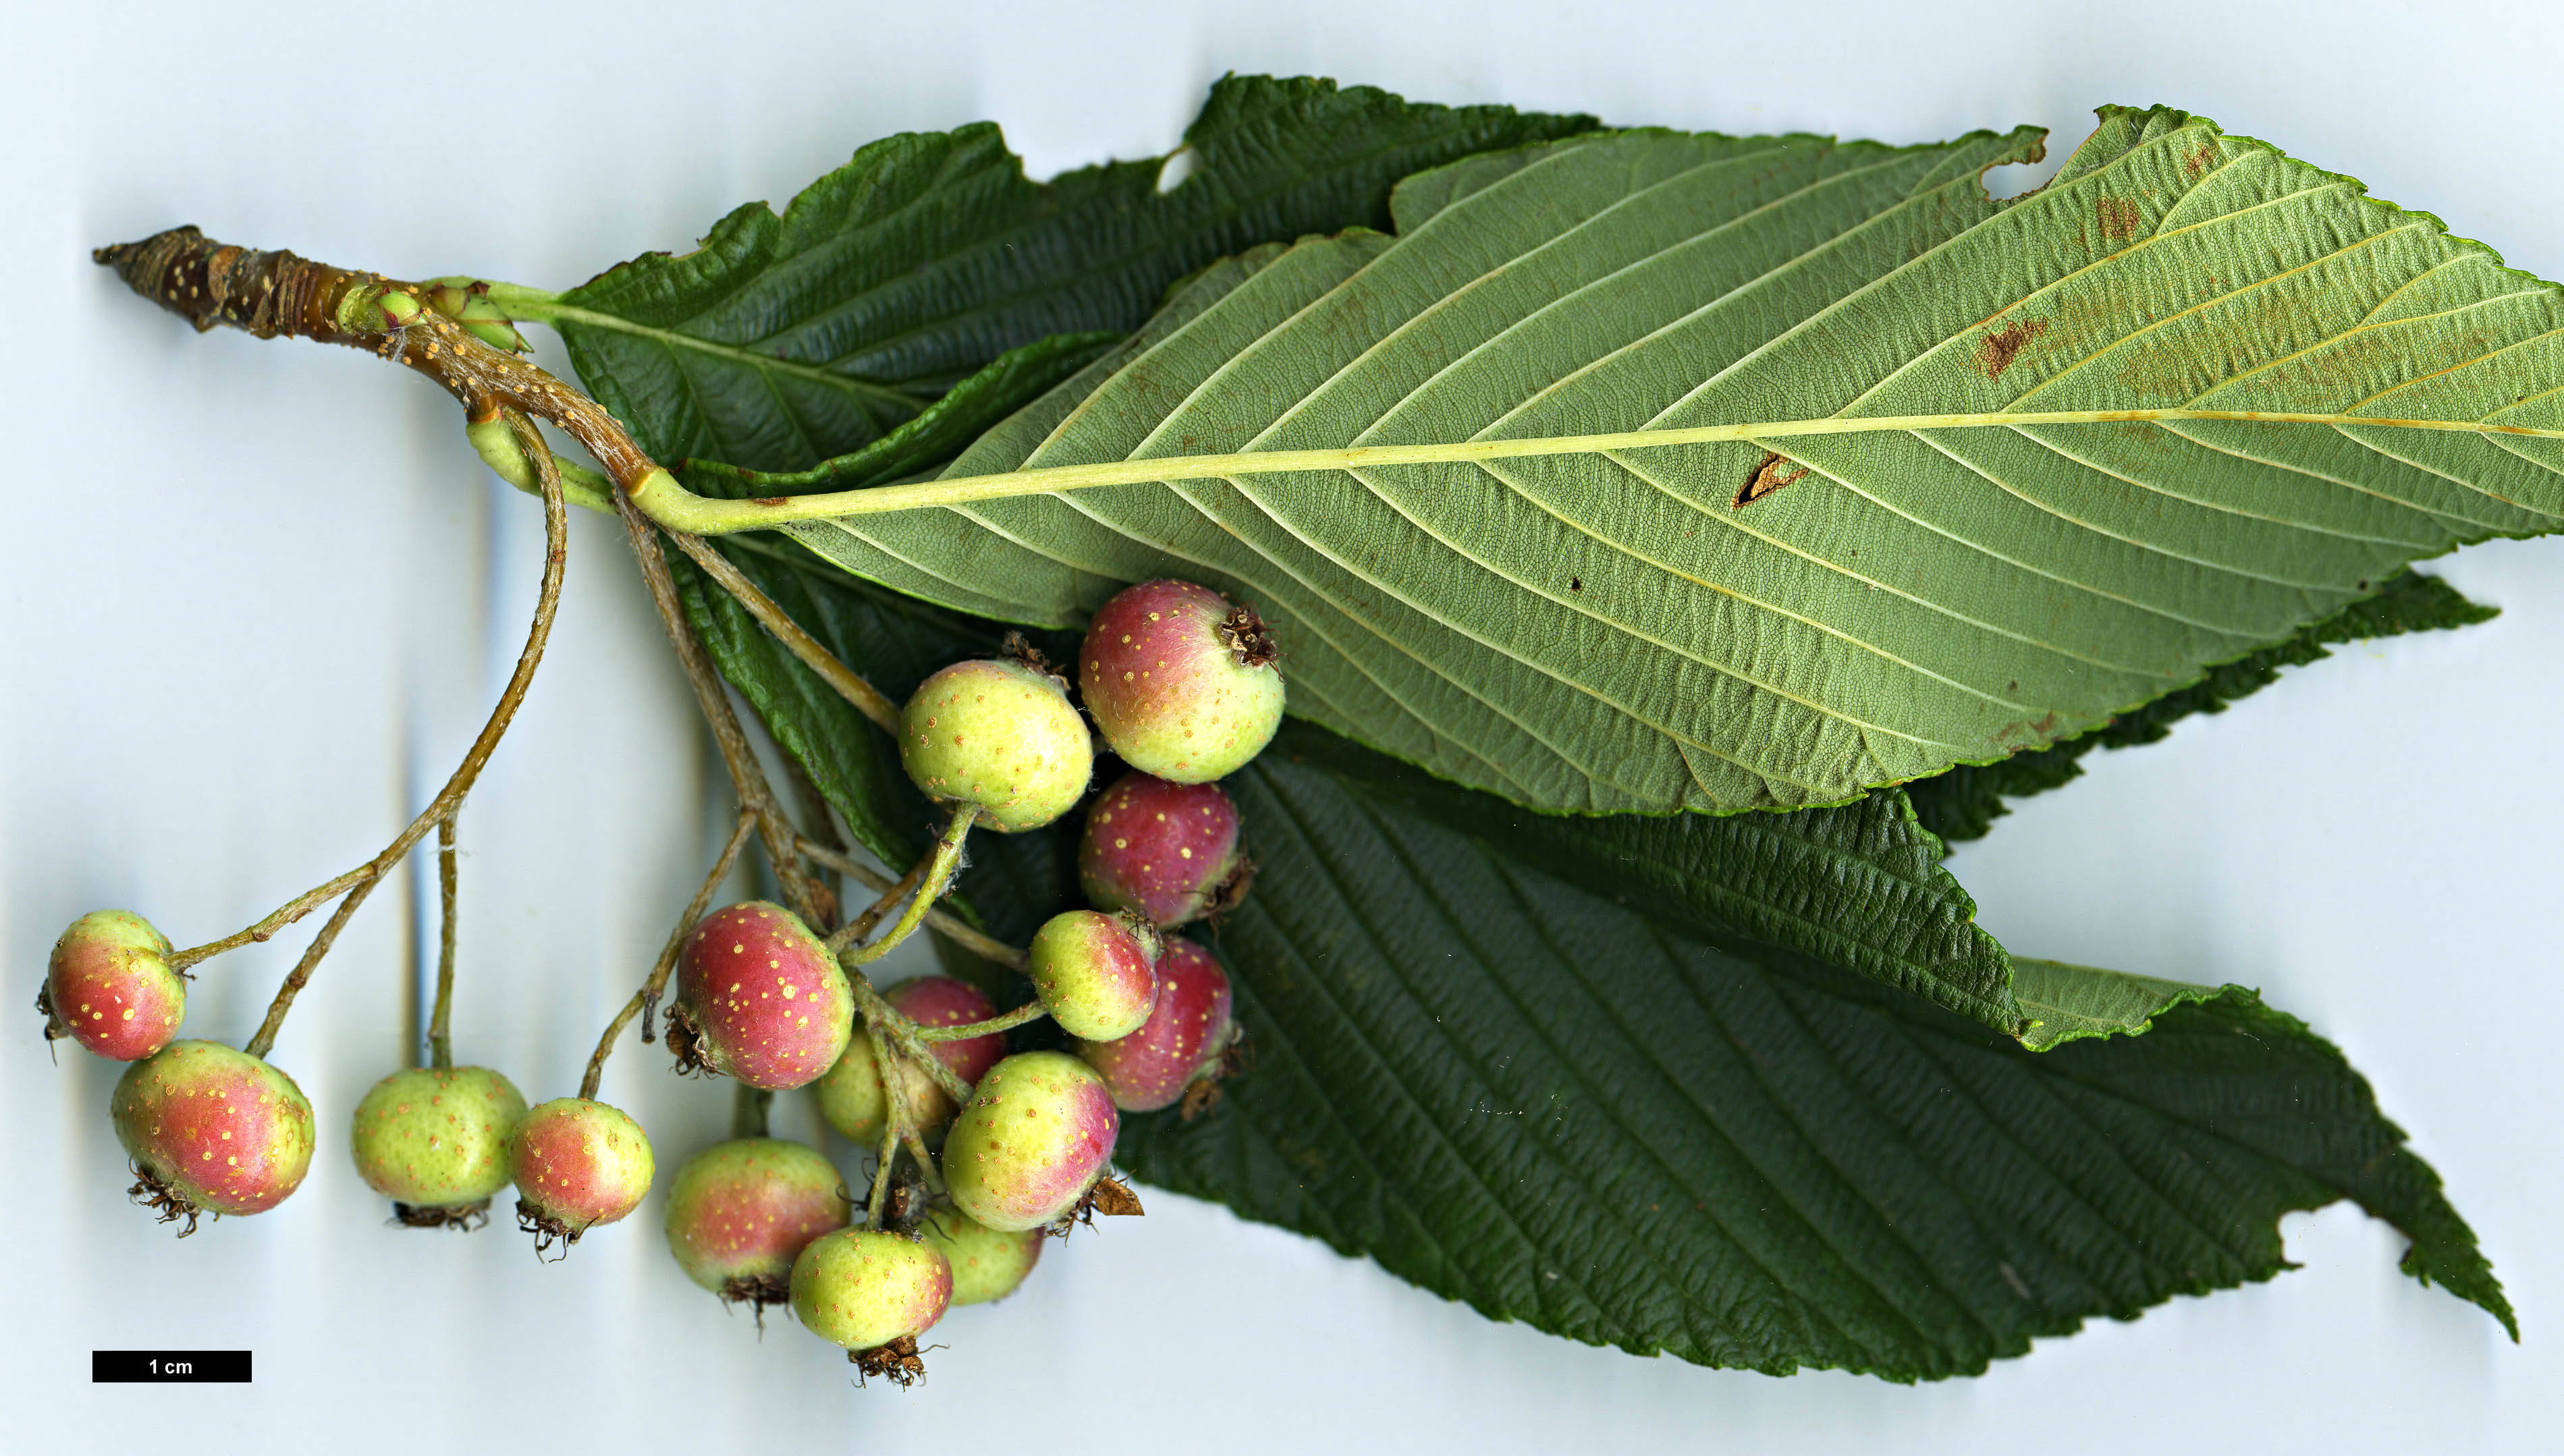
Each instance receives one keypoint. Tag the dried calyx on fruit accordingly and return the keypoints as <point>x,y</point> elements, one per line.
<point>110,987</point>
<point>850,1095</point>
<point>576,1163</point>
<point>434,1140</point>
<point>998,734</point>
<point>1183,1042</point>
<point>740,1212</point>
<point>761,998</point>
<point>1034,1138</point>
<point>1181,681</point>
<point>211,1129</point>
<point>873,1293</point>
<point>1167,851</point>
<point>1095,974</point>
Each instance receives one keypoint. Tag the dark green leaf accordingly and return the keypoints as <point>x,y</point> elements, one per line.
<point>786,341</point>
<point>1963,802</point>
<point>1859,886</point>
<point>960,415</point>
<point>1520,1094</point>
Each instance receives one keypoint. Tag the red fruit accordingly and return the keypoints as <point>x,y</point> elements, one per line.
<point>111,986</point>
<point>1034,1138</point>
<point>1184,1036</point>
<point>578,1163</point>
<point>212,1130</point>
<point>739,1213</point>
<point>1095,974</point>
<point>761,998</point>
<point>1181,681</point>
<point>942,1000</point>
<point>1167,851</point>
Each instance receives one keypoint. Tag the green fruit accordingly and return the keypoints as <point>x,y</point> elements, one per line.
<point>986,1265</point>
<point>864,1288</point>
<point>999,735</point>
<point>436,1139</point>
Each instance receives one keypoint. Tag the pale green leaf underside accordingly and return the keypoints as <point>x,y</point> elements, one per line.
<point>1959,561</point>
<point>2070,1002</point>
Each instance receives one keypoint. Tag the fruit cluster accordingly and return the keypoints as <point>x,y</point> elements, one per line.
<point>1002,1148</point>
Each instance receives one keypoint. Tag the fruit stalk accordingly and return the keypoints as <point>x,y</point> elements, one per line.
<point>450,798</point>
<point>440,1022</point>
<point>949,926</point>
<point>884,1020</point>
<point>895,1128</point>
<point>854,932</point>
<point>748,1109</point>
<point>1029,1012</point>
<point>745,776</point>
<point>850,685</point>
<point>648,996</point>
<point>940,864</point>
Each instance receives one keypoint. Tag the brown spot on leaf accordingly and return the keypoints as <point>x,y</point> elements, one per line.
<point>1770,474</point>
<point>2119,218</point>
<point>1998,350</point>
<point>2199,162</point>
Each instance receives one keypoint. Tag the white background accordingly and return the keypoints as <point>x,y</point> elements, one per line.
<point>258,596</point>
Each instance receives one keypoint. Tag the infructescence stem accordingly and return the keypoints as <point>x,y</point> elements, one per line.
<point>274,294</point>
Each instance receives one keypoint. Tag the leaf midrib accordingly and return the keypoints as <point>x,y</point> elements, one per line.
<point>715,517</point>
